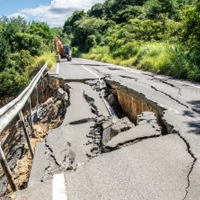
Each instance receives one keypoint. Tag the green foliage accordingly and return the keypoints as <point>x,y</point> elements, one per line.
<point>127,13</point>
<point>43,30</point>
<point>70,22</point>
<point>154,57</point>
<point>5,52</point>
<point>33,43</point>
<point>12,82</point>
<point>186,63</point>
<point>20,60</point>
<point>33,68</point>
<point>20,44</point>
<point>97,10</point>
<point>127,50</point>
<point>83,31</point>
<point>192,23</point>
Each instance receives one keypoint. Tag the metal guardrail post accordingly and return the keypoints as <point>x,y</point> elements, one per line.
<point>6,170</point>
<point>30,113</point>
<point>26,132</point>
<point>37,101</point>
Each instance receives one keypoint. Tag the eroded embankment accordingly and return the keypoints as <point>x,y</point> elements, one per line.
<point>50,114</point>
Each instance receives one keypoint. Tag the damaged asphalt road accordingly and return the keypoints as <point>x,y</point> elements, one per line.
<point>153,156</point>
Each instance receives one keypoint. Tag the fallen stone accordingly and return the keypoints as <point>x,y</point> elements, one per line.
<point>111,99</point>
<point>138,132</point>
<point>146,117</point>
<point>106,124</point>
<point>121,125</point>
<point>106,135</point>
<point>63,95</point>
<point>92,82</point>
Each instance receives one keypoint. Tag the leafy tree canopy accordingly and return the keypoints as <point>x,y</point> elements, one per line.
<point>69,23</point>
<point>41,29</point>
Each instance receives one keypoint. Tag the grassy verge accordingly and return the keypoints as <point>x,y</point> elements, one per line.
<point>158,57</point>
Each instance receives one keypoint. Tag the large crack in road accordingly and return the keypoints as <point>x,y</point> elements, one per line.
<point>133,153</point>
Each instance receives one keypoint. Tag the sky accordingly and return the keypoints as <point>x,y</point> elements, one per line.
<point>54,12</point>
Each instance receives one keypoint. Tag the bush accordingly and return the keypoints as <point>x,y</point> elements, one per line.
<point>128,50</point>
<point>12,83</point>
<point>39,62</point>
<point>186,63</point>
<point>21,60</point>
<point>32,43</point>
<point>155,57</point>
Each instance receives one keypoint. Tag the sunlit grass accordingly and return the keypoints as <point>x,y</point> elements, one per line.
<point>40,61</point>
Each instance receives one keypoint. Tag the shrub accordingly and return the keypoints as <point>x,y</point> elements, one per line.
<point>21,59</point>
<point>11,83</point>
<point>155,57</point>
<point>39,62</point>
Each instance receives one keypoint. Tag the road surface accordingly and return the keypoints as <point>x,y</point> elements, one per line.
<point>151,167</point>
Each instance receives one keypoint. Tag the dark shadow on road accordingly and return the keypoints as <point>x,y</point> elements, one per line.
<point>195,128</point>
<point>82,121</point>
<point>188,113</point>
<point>195,105</point>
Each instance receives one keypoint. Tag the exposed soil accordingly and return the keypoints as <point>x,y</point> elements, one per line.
<point>49,116</point>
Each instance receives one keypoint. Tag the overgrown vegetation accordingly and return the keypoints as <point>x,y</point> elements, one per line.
<point>24,49</point>
<point>162,36</point>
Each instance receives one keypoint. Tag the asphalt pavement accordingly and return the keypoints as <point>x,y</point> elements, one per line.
<point>143,164</point>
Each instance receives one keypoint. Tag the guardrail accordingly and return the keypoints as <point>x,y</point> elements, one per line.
<point>11,110</point>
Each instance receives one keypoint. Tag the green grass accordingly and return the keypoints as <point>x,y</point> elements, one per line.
<point>39,62</point>
<point>158,57</point>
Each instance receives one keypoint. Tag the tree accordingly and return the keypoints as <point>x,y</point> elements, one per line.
<point>33,43</point>
<point>86,27</point>
<point>9,31</point>
<point>5,52</point>
<point>192,24</point>
<point>43,30</point>
<point>63,36</point>
<point>163,9</point>
<point>97,10</point>
<point>69,23</point>
<point>127,13</point>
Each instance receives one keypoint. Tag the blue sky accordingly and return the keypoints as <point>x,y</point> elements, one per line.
<point>53,12</point>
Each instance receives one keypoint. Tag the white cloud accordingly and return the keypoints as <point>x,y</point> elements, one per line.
<point>16,15</point>
<point>58,11</point>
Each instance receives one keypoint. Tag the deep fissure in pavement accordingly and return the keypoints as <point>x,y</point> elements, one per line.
<point>125,99</point>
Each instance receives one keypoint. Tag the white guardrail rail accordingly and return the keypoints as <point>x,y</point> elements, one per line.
<point>10,111</point>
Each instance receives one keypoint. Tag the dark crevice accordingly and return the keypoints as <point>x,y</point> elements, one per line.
<point>51,155</point>
<point>196,110</point>
<point>129,77</point>
<point>166,127</point>
<point>165,82</point>
<point>192,165</point>
<point>82,121</point>
<point>128,143</point>
<point>90,101</point>
<point>111,68</point>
